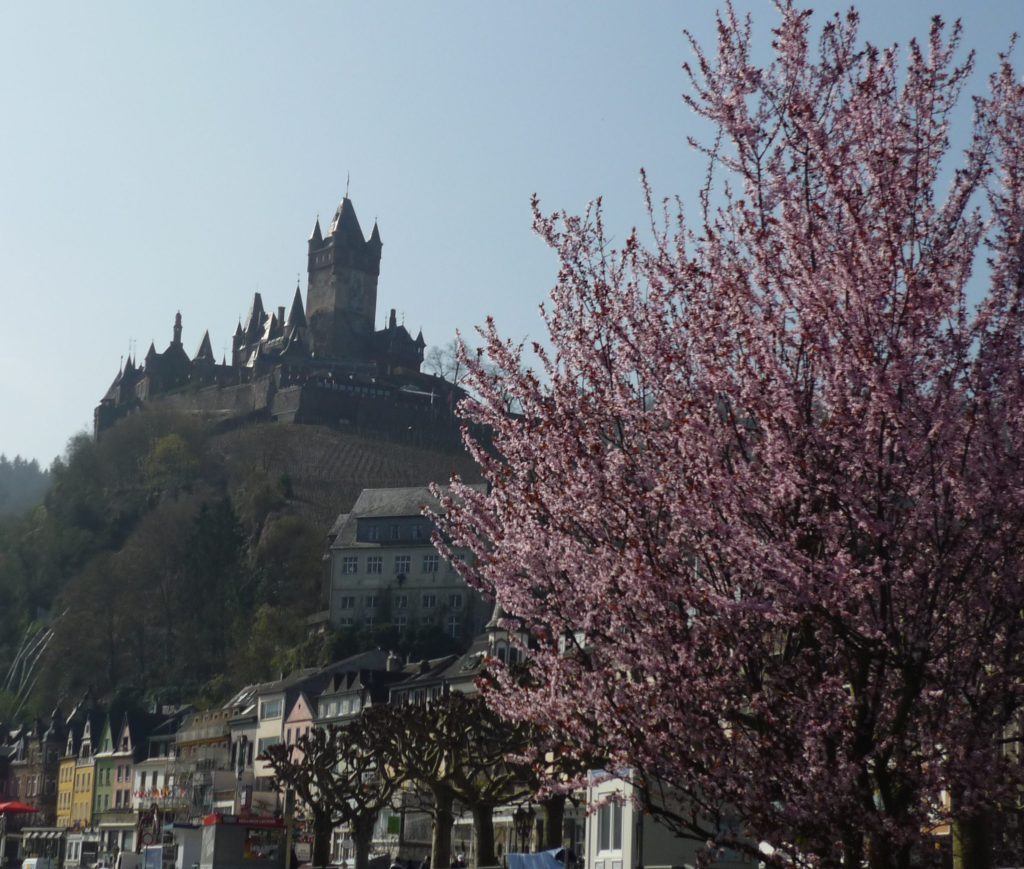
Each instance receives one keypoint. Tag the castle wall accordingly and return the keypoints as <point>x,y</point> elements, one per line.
<point>224,401</point>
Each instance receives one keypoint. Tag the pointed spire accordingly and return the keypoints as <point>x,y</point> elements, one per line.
<point>272,329</point>
<point>238,330</point>
<point>254,325</point>
<point>297,315</point>
<point>205,351</point>
<point>316,237</point>
<point>346,224</point>
<point>419,340</point>
<point>375,237</point>
<point>177,328</point>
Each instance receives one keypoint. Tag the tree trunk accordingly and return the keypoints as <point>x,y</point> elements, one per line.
<point>321,838</point>
<point>972,842</point>
<point>853,849</point>
<point>483,833</point>
<point>884,854</point>
<point>444,817</point>
<point>554,822</point>
<point>362,838</point>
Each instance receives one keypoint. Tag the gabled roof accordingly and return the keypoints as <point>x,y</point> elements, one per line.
<point>423,673</point>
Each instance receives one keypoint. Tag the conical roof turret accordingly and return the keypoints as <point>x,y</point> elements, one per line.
<point>254,325</point>
<point>316,237</point>
<point>345,225</point>
<point>496,616</point>
<point>205,351</point>
<point>297,314</point>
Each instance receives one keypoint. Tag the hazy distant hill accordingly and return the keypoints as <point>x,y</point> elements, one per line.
<point>22,484</point>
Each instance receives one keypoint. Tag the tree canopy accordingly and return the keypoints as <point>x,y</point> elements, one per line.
<point>763,509</point>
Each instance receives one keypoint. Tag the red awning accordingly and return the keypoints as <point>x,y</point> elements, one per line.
<point>16,808</point>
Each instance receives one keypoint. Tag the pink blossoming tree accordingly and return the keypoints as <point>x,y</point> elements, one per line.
<point>763,509</point>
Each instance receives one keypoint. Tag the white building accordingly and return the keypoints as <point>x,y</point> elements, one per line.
<point>384,569</point>
<point>620,835</point>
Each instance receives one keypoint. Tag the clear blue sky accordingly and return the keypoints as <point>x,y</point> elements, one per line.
<point>168,157</point>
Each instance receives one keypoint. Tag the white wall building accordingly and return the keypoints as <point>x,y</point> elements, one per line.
<point>619,835</point>
<point>384,569</point>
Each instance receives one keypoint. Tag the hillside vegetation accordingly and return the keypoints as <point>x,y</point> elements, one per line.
<point>172,562</point>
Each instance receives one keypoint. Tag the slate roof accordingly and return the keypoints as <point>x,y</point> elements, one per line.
<point>383,503</point>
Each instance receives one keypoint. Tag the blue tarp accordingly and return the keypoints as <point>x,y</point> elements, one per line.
<point>541,860</point>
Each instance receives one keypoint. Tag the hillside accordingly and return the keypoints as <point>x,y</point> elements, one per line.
<point>327,469</point>
<point>173,561</point>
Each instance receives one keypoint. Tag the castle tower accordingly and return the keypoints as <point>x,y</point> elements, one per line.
<point>341,298</point>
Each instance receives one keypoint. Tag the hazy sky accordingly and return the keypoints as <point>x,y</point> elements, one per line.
<point>157,158</point>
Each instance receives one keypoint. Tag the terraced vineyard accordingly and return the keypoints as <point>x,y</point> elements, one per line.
<point>327,469</point>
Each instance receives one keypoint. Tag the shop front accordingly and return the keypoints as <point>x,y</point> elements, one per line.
<point>241,842</point>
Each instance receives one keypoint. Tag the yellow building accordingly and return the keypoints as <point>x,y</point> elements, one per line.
<point>82,784</point>
<point>65,787</point>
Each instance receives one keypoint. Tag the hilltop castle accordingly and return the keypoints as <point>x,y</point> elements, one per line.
<point>322,362</point>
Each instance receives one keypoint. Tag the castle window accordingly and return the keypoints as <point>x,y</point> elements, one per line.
<point>455,601</point>
<point>374,564</point>
<point>430,563</point>
<point>401,601</point>
<point>349,564</point>
<point>394,532</point>
<point>371,601</point>
<point>428,601</point>
<point>402,563</point>
<point>401,622</point>
<point>347,602</point>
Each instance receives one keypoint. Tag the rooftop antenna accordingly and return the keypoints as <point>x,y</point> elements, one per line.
<point>348,179</point>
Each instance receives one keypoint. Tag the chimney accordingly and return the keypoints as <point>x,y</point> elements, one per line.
<point>280,314</point>
<point>393,663</point>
